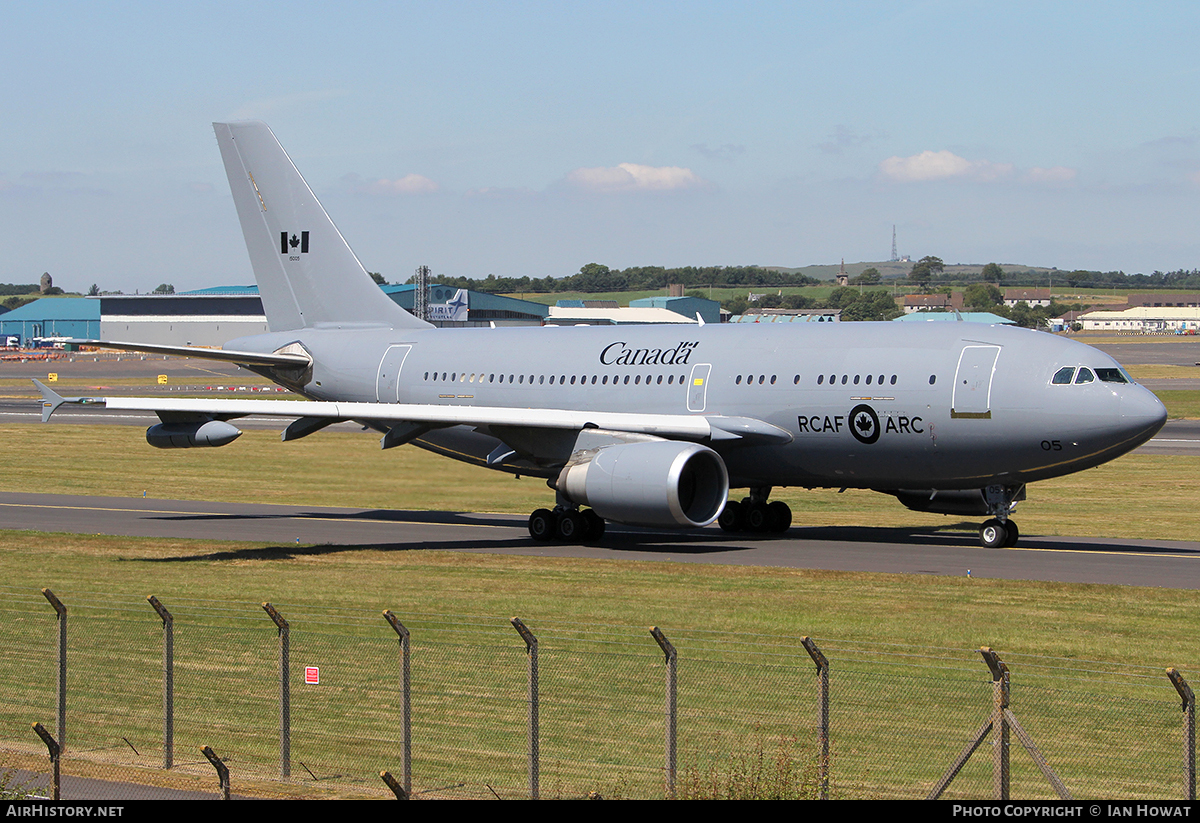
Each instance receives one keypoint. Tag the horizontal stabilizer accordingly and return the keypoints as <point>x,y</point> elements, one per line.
<point>241,357</point>
<point>51,400</point>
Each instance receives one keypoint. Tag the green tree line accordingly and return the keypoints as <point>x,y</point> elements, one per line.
<point>596,278</point>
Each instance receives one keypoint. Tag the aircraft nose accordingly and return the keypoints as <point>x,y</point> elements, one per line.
<point>1142,414</point>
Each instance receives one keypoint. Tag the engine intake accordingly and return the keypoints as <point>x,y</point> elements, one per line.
<point>664,484</point>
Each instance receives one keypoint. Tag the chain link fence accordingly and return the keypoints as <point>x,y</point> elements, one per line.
<point>144,693</point>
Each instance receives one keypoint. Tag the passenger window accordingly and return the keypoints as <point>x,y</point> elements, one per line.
<point>1084,376</point>
<point>1063,376</point>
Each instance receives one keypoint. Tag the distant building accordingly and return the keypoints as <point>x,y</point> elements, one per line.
<point>788,316</point>
<point>953,317</point>
<point>573,313</point>
<point>1163,299</point>
<point>53,317</point>
<point>1031,297</point>
<point>483,308</point>
<point>932,302</point>
<point>205,317</point>
<point>687,307</point>
<point>1143,320</point>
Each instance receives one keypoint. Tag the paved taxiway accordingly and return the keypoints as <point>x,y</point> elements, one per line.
<point>309,530</point>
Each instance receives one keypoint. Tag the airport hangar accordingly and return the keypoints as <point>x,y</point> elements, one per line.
<point>213,316</point>
<point>210,317</point>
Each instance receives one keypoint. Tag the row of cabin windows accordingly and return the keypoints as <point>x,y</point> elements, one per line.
<point>541,379</point>
<point>855,379</point>
<point>463,377</point>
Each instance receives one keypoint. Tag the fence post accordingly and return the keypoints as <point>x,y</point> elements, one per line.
<point>61,611</point>
<point>531,649</point>
<point>168,681</point>
<point>222,770</point>
<point>822,712</point>
<point>1189,731</point>
<point>1000,732</point>
<point>55,752</point>
<point>405,696</point>
<point>285,699</point>
<point>671,658</point>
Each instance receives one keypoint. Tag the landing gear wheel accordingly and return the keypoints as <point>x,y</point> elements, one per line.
<point>759,517</point>
<point>594,524</point>
<point>780,515</point>
<point>732,517</point>
<point>542,526</point>
<point>571,527</point>
<point>1013,534</point>
<point>993,534</point>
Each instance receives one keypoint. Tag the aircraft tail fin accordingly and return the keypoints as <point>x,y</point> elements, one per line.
<point>307,274</point>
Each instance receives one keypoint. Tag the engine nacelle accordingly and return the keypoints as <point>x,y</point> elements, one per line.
<point>664,484</point>
<point>192,435</point>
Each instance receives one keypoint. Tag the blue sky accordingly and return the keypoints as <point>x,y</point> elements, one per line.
<point>532,138</point>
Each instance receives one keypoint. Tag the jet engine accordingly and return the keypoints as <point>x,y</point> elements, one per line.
<point>192,434</point>
<point>661,483</point>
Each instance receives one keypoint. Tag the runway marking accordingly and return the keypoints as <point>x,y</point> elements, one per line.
<point>1092,553</point>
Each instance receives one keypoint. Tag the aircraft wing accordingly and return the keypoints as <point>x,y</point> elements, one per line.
<point>240,357</point>
<point>681,426</point>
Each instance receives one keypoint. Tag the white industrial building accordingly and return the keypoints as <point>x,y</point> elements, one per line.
<point>1143,320</point>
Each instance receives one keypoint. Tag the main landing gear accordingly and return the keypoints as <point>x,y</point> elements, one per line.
<point>755,514</point>
<point>999,532</point>
<point>566,524</point>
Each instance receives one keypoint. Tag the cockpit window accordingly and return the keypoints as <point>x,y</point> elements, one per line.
<point>1113,375</point>
<point>1063,376</point>
<point>1084,376</point>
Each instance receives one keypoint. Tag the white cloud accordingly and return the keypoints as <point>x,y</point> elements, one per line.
<point>409,184</point>
<point>941,165</point>
<point>634,177</point>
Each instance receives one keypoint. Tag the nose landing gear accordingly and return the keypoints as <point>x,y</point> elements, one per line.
<point>999,532</point>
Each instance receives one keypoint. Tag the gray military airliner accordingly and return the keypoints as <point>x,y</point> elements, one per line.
<point>652,425</point>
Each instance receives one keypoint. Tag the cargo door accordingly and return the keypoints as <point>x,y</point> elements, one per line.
<point>698,387</point>
<point>973,382</point>
<point>387,382</point>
